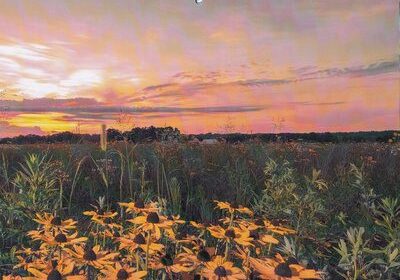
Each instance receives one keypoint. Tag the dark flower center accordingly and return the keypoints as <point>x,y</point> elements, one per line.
<point>275,222</point>
<point>230,233</point>
<point>89,255</point>
<point>170,218</point>
<point>101,211</point>
<point>56,221</point>
<point>54,275</point>
<point>254,234</point>
<point>292,260</point>
<point>235,205</point>
<point>254,275</point>
<point>54,263</point>
<point>108,220</point>
<point>139,239</point>
<point>61,238</point>
<point>311,265</point>
<point>283,270</point>
<point>220,271</point>
<point>259,222</point>
<point>35,246</point>
<point>139,203</point>
<point>180,235</point>
<point>203,256</point>
<point>122,274</point>
<point>167,260</point>
<point>153,218</point>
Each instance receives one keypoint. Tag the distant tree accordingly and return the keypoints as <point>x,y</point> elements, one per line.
<point>114,135</point>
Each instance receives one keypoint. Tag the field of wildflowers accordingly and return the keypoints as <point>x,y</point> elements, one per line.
<point>186,211</point>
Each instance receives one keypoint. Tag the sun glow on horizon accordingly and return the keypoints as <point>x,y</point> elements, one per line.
<point>49,123</point>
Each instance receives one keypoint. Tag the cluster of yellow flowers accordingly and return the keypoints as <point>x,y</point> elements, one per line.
<point>151,245</point>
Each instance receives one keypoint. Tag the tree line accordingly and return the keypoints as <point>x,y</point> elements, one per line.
<point>171,134</point>
<point>136,135</point>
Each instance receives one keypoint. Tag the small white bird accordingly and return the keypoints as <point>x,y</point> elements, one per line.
<point>198,1</point>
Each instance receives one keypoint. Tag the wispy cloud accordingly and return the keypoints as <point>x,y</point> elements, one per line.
<point>159,87</point>
<point>377,68</point>
<point>263,82</point>
<point>310,103</point>
<point>189,83</point>
<point>88,105</point>
<point>32,52</point>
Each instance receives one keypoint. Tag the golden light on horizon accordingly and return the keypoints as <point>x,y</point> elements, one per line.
<point>50,122</point>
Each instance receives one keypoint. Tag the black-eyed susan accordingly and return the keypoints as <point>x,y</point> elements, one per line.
<point>190,239</point>
<point>279,269</point>
<point>152,222</point>
<point>62,240</point>
<point>277,228</point>
<point>139,206</point>
<point>190,260</point>
<point>13,276</point>
<point>36,249</point>
<point>55,270</point>
<point>121,272</point>
<point>92,256</point>
<point>36,234</point>
<point>27,261</point>
<point>174,221</point>
<point>51,222</point>
<point>133,241</point>
<point>231,208</point>
<point>200,226</point>
<point>219,269</point>
<point>28,257</point>
<point>167,263</point>
<point>232,234</point>
<point>262,239</point>
<point>257,233</point>
<point>100,216</point>
<point>274,227</point>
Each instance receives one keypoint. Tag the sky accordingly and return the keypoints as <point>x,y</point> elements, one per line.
<point>219,66</point>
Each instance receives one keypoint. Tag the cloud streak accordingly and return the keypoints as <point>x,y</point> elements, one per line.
<point>194,83</point>
<point>87,105</point>
<point>355,71</point>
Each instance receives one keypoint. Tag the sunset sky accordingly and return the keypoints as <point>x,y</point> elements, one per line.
<point>250,66</point>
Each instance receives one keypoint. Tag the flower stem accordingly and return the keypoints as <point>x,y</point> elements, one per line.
<point>147,250</point>
<point>226,251</point>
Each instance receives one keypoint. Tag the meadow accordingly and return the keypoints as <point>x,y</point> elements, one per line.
<point>250,210</point>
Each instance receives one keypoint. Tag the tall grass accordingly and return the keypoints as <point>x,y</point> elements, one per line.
<point>103,138</point>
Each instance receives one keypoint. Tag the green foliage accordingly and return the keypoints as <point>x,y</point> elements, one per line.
<point>175,196</point>
<point>287,196</point>
<point>352,251</point>
<point>36,185</point>
<point>35,189</point>
<point>279,190</point>
<point>359,261</point>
